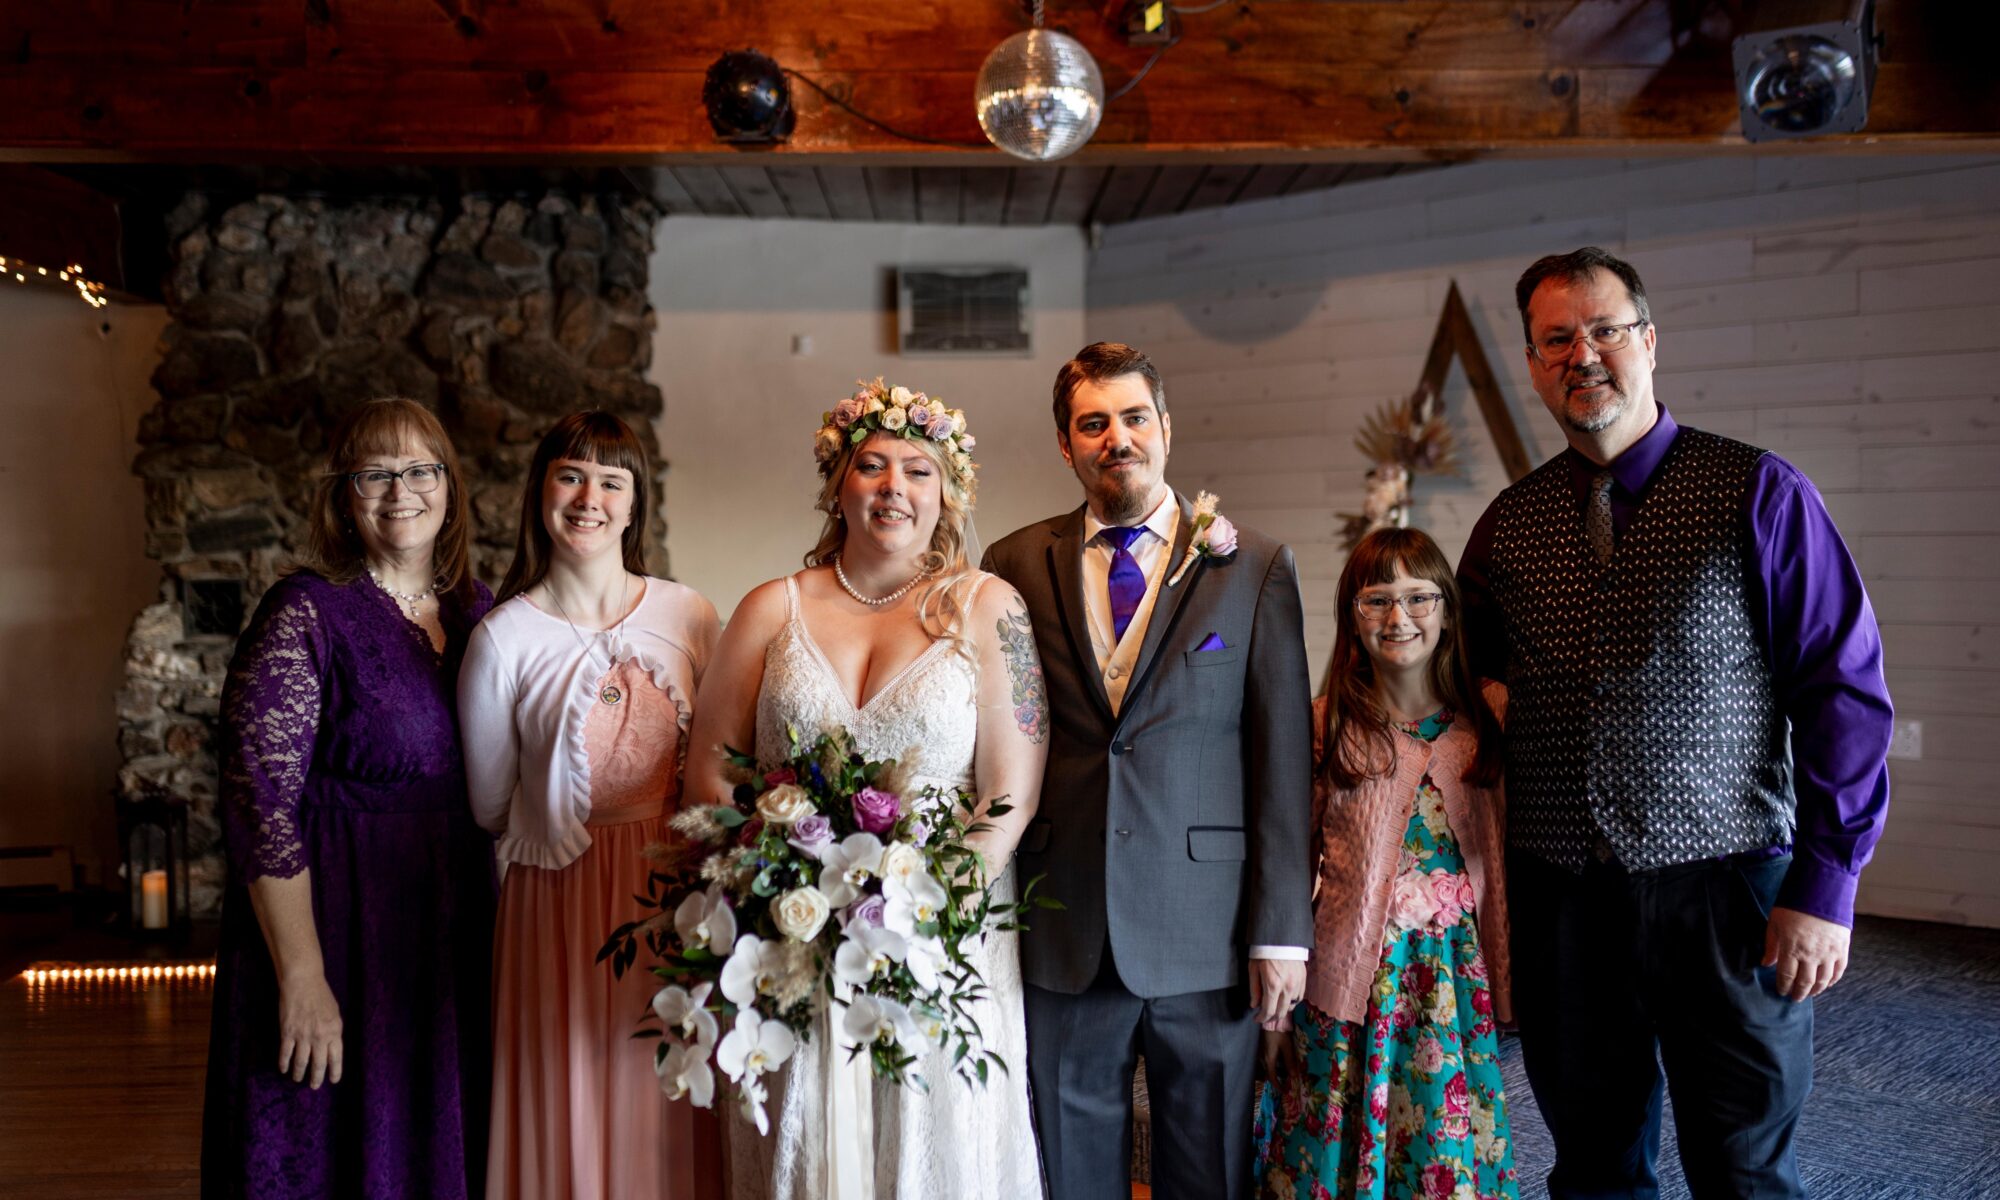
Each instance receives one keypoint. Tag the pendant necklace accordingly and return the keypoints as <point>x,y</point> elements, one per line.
<point>610,693</point>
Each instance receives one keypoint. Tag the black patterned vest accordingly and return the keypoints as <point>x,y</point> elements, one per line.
<point>1640,716</point>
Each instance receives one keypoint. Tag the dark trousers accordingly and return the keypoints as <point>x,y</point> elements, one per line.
<point>1617,972</point>
<point>1201,1051</point>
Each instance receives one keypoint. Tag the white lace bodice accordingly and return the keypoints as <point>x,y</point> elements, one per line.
<point>929,709</point>
<point>954,1142</point>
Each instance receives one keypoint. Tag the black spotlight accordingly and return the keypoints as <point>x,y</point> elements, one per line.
<point>747,98</point>
<point>1805,68</point>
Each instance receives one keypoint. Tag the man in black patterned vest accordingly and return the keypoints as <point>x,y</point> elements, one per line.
<point>1697,734</point>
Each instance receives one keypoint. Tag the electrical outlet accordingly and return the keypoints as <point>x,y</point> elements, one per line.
<point>1906,739</point>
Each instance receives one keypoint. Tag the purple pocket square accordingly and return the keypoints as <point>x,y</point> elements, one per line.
<point>1213,642</point>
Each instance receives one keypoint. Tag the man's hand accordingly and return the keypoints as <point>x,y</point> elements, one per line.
<point>1810,952</point>
<point>1276,984</point>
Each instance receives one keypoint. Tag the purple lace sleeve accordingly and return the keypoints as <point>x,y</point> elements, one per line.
<point>271,711</point>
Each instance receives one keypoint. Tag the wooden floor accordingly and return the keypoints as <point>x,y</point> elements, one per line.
<point>100,1088</point>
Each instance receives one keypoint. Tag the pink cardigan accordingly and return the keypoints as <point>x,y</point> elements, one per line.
<point>1361,841</point>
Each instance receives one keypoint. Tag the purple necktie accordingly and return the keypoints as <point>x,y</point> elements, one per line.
<point>1127,581</point>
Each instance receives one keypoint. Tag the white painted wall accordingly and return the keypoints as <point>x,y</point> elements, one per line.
<point>73,565</point>
<point>1844,312</point>
<point>742,407</point>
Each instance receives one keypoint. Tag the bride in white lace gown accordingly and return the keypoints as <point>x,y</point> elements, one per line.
<point>890,635</point>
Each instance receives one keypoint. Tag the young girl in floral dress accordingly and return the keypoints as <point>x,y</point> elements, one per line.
<point>1385,1080</point>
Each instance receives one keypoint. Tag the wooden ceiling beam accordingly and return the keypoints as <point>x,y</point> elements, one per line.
<point>583,81</point>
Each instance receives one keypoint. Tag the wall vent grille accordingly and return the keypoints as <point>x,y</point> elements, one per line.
<point>962,310</point>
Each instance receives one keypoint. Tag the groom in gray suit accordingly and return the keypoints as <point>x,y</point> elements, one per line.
<point>1175,809</point>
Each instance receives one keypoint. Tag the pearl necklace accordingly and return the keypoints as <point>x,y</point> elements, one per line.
<point>405,597</point>
<point>876,601</point>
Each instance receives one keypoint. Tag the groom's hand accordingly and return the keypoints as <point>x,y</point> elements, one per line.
<point>1276,984</point>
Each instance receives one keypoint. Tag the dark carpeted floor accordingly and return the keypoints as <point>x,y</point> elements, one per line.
<point>1906,1093</point>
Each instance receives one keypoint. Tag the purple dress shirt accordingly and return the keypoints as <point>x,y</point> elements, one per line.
<point>1819,639</point>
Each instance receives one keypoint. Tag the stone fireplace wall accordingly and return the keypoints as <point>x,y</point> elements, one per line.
<point>499,313</point>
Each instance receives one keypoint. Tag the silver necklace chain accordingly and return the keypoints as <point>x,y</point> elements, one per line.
<point>610,694</point>
<point>405,597</point>
<point>876,601</point>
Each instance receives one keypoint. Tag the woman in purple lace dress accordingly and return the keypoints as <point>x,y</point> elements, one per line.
<point>349,1053</point>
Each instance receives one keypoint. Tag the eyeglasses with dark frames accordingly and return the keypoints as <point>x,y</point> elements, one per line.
<point>374,484</point>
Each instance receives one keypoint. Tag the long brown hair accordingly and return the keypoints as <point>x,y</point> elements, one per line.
<point>592,436</point>
<point>1358,744</point>
<point>383,428</point>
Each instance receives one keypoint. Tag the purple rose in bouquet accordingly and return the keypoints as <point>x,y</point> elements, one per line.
<point>876,811</point>
<point>812,835</point>
<point>869,910</point>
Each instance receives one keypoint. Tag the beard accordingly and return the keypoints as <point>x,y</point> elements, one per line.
<point>1122,498</point>
<point>1603,414</point>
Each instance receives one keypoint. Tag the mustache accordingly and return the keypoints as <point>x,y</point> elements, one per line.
<point>1116,457</point>
<point>1587,378</point>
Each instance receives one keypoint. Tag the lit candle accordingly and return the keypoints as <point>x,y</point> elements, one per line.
<point>153,900</point>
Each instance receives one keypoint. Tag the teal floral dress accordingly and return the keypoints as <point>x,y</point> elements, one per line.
<point>1408,1103</point>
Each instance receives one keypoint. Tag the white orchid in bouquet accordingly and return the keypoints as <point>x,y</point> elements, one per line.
<point>822,883</point>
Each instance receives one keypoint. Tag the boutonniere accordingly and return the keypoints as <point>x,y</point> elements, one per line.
<point>1214,536</point>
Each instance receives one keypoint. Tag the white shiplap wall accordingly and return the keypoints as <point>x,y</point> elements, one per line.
<point>1843,311</point>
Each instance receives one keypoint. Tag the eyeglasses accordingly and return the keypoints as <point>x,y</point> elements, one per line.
<point>373,485</point>
<point>1375,609</point>
<point>1605,339</point>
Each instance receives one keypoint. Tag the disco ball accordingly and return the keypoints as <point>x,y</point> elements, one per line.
<point>1039,95</point>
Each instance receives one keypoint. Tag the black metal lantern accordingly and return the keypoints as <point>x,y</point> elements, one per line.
<point>153,832</point>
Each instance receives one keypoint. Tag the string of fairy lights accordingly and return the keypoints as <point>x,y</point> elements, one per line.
<point>27,272</point>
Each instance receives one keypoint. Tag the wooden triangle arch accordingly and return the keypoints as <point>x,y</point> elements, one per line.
<point>1456,337</point>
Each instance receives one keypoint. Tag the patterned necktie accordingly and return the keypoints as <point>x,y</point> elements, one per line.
<point>1127,582</point>
<point>1597,518</point>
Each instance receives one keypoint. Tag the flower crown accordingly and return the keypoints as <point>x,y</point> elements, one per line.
<point>876,408</point>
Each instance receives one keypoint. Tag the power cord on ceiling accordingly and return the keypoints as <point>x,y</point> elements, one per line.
<point>1133,82</point>
<point>1178,11</point>
<point>841,103</point>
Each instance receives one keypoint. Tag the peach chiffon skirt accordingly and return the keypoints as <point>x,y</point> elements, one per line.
<point>577,1111</point>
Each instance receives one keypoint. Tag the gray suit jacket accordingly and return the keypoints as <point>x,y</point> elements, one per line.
<point>1179,826</point>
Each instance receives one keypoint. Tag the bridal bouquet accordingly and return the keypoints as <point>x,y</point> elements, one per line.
<point>823,882</point>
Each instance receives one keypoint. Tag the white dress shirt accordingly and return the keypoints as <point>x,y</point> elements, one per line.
<point>1153,552</point>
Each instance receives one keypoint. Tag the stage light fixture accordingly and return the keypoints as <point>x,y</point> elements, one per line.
<point>748,98</point>
<point>1805,68</point>
<point>1039,95</point>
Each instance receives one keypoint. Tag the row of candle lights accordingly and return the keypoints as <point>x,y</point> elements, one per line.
<point>127,974</point>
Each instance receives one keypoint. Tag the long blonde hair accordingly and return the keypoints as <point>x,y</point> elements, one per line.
<point>941,604</point>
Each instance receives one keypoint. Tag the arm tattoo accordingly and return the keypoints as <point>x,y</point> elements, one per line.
<point>1024,668</point>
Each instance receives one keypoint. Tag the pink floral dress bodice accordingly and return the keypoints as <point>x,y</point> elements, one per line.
<point>634,747</point>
